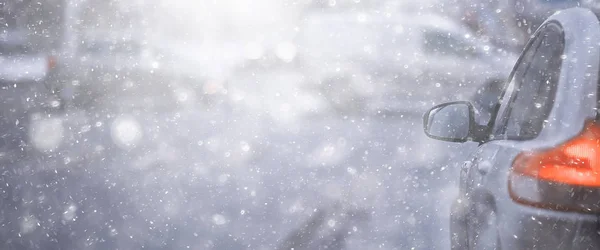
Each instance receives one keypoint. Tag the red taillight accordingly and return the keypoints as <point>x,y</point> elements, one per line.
<point>51,62</point>
<point>565,177</point>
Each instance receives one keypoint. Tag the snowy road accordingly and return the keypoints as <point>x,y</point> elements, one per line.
<point>255,155</point>
<point>238,181</point>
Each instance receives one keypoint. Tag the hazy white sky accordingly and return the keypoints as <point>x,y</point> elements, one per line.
<point>226,19</point>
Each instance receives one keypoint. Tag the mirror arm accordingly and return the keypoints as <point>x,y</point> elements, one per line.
<point>480,133</point>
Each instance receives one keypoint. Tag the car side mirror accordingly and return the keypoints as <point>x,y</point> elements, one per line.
<point>453,122</point>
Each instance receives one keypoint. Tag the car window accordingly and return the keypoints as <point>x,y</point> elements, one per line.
<point>533,86</point>
<point>485,99</point>
<point>445,44</point>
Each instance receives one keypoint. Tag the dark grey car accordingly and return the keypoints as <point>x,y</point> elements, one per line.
<point>534,180</point>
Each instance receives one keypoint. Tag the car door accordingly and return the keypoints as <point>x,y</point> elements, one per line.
<point>523,109</point>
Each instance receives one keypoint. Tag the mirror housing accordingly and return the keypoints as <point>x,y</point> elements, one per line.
<point>453,122</point>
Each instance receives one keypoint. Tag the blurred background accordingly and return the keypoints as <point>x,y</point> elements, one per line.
<point>239,124</point>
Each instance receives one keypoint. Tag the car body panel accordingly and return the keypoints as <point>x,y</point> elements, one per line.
<point>486,184</point>
<point>25,68</point>
<point>20,61</point>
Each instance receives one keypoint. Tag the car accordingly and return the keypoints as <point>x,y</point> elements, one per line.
<point>25,67</point>
<point>494,21</point>
<point>28,59</point>
<point>510,23</point>
<point>533,182</point>
<point>355,57</point>
<point>533,13</point>
<point>98,66</point>
<point>119,73</point>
